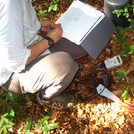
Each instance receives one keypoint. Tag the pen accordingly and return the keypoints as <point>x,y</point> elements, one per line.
<point>50,27</point>
<point>82,1</point>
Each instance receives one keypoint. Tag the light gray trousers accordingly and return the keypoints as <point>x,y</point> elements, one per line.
<point>50,74</point>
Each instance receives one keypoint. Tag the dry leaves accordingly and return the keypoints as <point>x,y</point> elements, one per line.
<point>93,114</point>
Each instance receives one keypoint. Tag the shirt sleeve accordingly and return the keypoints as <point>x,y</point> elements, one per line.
<point>13,52</point>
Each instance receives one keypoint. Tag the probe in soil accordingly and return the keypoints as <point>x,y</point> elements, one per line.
<point>106,93</point>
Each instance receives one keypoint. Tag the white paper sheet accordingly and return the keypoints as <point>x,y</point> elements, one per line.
<point>79,20</point>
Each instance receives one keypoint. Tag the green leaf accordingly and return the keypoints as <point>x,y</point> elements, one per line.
<point>45,122</point>
<point>57,120</point>
<point>55,7</point>
<point>121,11</point>
<point>45,118</point>
<point>1,130</point>
<point>129,20</point>
<point>27,132</point>
<point>119,72</point>
<point>40,12</point>
<point>125,49</point>
<point>119,36</point>
<point>131,49</point>
<point>45,130</point>
<point>115,12</point>
<point>27,97</point>
<point>50,112</point>
<point>126,9</point>
<point>11,113</point>
<point>127,15</point>
<point>28,119</point>
<point>29,103</point>
<point>119,14</point>
<point>6,120</point>
<point>39,126</point>
<point>118,78</point>
<point>127,86</point>
<point>53,125</point>
<point>125,74</point>
<point>34,6</point>
<point>120,29</point>
<point>30,122</point>
<point>1,122</point>
<point>50,8</point>
<point>5,115</point>
<point>132,23</point>
<point>27,127</point>
<point>121,41</point>
<point>5,130</point>
<point>11,96</point>
<point>125,94</point>
<point>10,124</point>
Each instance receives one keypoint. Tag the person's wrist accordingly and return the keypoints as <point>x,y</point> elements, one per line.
<point>50,41</point>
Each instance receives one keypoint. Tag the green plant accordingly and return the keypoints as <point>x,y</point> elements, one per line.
<point>128,12</point>
<point>125,92</point>
<point>53,5</point>
<point>127,48</point>
<point>120,75</point>
<point>45,125</point>
<point>42,14</point>
<point>28,100</point>
<point>131,49</point>
<point>122,38</point>
<point>6,121</point>
<point>7,101</point>
<point>15,105</point>
<point>10,101</point>
<point>29,123</point>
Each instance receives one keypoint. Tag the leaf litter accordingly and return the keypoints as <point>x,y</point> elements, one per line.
<point>93,114</point>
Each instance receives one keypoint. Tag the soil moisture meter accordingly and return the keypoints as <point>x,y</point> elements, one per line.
<point>112,62</point>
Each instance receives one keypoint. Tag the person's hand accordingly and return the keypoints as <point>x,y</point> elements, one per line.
<point>55,33</point>
<point>46,24</point>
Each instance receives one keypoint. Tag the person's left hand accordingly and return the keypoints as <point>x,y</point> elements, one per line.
<point>46,24</point>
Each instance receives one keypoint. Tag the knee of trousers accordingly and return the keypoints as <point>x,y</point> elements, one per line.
<point>63,62</point>
<point>53,70</point>
<point>59,66</point>
<point>65,65</point>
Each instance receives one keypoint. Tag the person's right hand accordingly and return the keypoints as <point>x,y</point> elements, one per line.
<point>55,33</point>
<point>39,47</point>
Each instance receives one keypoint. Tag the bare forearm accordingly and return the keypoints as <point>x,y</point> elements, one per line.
<point>37,49</point>
<point>41,46</point>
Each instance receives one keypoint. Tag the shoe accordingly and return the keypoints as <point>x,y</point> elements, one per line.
<point>61,102</point>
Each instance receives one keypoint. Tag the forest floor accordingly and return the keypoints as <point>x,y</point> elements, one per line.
<point>93,114</point>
